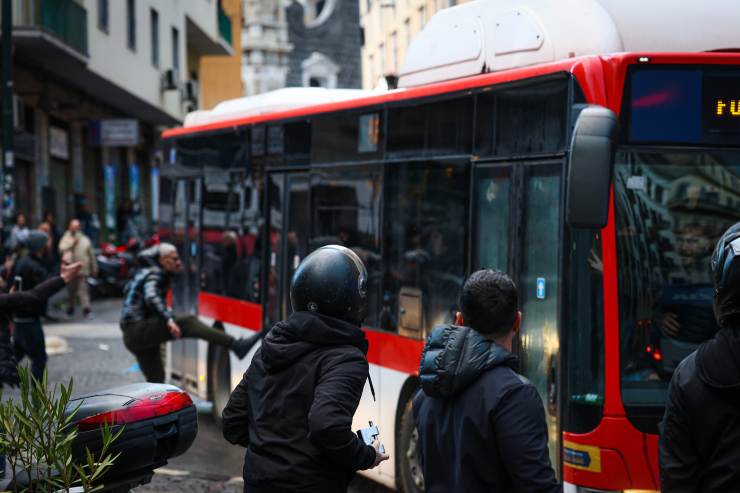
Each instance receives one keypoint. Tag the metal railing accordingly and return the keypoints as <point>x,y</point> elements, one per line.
<point>224,25</point>
<point>65,19</point>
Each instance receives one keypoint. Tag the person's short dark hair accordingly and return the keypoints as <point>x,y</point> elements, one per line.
<point>489,302</point>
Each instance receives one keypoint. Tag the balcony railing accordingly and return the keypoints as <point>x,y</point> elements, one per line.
<point>224,25</point>
<point>65,19</point>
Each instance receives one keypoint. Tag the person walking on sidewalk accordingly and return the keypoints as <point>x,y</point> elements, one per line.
<point>146,321</point>
<point>481,424</point>
<point>293,408</point>
<point>76,247</point>
<point>699,444</point>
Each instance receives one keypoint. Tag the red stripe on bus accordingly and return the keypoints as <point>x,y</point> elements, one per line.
<point>385,349</point>
<point>237,312</point>
<point>393,351</point>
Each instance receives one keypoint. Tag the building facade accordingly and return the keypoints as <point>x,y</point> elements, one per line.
<point>95,81</point>
<point>220,75</point>
<point>389,26</point>
<point>295,43</point>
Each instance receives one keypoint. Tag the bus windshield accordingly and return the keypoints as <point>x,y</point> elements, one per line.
<point>671,208</point>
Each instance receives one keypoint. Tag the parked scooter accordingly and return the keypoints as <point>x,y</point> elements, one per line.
<point>159,422</point>
<point>116,265</point>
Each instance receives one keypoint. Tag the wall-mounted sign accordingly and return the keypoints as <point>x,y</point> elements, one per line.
<point>58,143</point>
<point>119,132</point>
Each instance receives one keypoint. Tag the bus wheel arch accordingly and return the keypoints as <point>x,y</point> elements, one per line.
<point>219,377</point>
<point>408,471</point>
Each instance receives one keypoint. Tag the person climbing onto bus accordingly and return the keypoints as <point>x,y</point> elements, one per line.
<point>293,408</point>
<point>481,425</point>
<point>699,444</point>
<point>146,321</point>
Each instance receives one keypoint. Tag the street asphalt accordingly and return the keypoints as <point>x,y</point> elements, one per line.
<point>91,352</point>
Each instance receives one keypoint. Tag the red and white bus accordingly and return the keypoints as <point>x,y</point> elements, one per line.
<point>435,180</point>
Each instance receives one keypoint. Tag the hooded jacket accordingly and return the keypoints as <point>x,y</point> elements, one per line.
<point>294,406</point>
<point>481,425</point>
<point>699,447</point>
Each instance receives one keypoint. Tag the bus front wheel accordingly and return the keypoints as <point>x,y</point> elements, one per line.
<point>410,475</point>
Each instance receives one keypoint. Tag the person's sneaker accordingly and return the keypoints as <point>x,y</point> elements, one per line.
<point>70,311</point>
<point>242,345</point>
<point>87,313</point>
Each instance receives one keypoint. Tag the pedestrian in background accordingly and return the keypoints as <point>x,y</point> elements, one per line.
<point>18,233</point>
<point>75,246</point>
<point>699,443</point>
<point>481,424</point>
<point>294,406</point>
<point>146,321</point>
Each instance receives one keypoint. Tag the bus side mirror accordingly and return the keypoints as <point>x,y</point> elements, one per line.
<point>590,167</point>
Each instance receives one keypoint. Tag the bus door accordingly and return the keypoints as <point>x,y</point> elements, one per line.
<point>289,224</point>
<point>516,227</point>
<point>186,237</point>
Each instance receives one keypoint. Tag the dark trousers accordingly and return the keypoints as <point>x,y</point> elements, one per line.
<point>143,339</point>
<point>29,341</point>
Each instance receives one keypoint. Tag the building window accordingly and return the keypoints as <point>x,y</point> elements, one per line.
<point>381,54</point>
<point>371,69</point>
<point>103,15</point>
<point>394,48</point>
<point>175,49</point>
<point>131,24</point>
<point>407,31</point>
<point>154,17</point>
<point>422,17</point>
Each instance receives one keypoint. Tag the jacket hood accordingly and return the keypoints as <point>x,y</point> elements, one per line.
<point>303,332</point>
<point>718,360</point>
<point>454,357</point>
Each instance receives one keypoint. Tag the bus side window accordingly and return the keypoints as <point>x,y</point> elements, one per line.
<point>346,211</point>
<point>424,238</point>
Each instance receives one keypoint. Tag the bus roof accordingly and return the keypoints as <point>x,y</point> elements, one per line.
<point>487,36</point>
<point>588,64</point>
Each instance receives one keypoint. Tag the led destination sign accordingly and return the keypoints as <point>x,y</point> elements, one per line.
<point>722,104</point>
<point>697,105</point>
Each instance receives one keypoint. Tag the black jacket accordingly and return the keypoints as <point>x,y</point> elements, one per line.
<point>481,425</point>
<point>32,270</point>
<point>32,301</point>
<point>699,447</point>
<point>293,409</point>
<point>144,296</point>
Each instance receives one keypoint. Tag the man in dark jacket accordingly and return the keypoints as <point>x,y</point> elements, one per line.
<point>481,425</point>
<point>293,408</point>
<point>29,334</point>
<point>146,321</point>
<point>699,447</point>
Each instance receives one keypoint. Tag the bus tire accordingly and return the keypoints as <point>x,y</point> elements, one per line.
<point>410,478</point>
<point>219,381</point>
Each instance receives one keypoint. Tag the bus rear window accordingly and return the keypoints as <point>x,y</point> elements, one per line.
<point>684,106</point>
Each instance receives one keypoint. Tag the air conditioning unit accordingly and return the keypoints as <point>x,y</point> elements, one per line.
<point>190,91</point>
<point>169,80</point>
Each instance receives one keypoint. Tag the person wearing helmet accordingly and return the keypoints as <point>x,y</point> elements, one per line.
<point>293,408</point>
<point>699,447</point>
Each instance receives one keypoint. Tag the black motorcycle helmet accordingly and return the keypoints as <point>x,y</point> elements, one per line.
<point>726,276</point>
<point>332,281</point>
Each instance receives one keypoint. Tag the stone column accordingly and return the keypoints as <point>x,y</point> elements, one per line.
<point>42,163</point>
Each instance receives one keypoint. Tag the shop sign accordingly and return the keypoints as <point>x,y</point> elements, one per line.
<point>58,143</point>
<point>117,132</point>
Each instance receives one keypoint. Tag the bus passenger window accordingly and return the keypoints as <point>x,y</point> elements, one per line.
<point>424,239</point>
<point>346,211</point>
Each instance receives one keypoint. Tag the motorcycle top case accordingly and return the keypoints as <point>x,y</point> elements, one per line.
<point>159,422</point>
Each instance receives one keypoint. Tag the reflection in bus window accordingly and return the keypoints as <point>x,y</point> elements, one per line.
<point>494,233</point>
<point>231,247</point>
<point>346,211</point>
<point>671,208</point>
<point>424,223</point>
